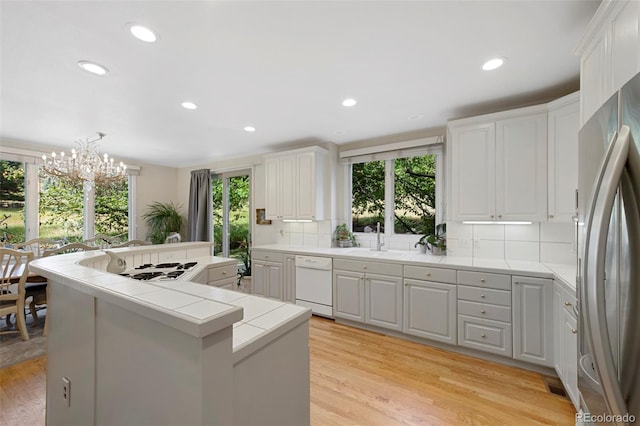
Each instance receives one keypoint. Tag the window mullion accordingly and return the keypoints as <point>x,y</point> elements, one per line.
<point>389,197</point>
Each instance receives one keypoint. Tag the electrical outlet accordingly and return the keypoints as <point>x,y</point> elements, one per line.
<point>66,390</point>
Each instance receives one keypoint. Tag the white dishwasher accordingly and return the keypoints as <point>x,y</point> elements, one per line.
<point>314,286</point>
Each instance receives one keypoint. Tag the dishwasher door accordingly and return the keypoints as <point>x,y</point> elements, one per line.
<point>314,285</point>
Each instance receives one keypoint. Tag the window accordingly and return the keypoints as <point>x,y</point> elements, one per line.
<point>401,191</point>
<point>34,205</point>
<point>12,202</point>
<point>231,211</point>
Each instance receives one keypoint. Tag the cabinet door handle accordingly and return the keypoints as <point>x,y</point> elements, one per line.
<point>483,335</point>
<point>567,304</point>
<point>364,267</point>
<point>224,272</point>
<point>499,216</point>
<point>482,296</point>
<point>481,280</point>
<point>550,216</point>
<point>428,274</point>
<point>574,331</point>
<point>482,311</point>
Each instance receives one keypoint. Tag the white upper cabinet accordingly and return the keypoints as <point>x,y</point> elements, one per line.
<point>562,142</point>
<point>472,189</point>
<point>521,168</point>
<point>294,184</point>
<point>609,53</point>
<point>498,166</point>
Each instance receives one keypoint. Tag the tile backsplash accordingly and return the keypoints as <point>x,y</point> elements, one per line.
<point>538,242</point>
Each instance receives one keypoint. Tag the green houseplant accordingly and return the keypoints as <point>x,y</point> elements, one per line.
<point>436,242</point>
<point>162,219</point>
<point>344,237</point>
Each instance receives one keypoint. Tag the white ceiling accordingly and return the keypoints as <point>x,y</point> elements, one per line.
<point>283,67</point>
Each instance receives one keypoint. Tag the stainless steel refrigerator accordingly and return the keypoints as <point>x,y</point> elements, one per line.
<point>609,261</point>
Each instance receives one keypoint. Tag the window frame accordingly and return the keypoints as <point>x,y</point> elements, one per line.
<point>31,163</point>
<point>389,187</point>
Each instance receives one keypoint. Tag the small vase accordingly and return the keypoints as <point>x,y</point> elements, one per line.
<point>437,251</point>
<point>423,248</point>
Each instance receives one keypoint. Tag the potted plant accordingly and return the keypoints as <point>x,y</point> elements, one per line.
<point>244,270</point>
<point>422,244</point>
<point>162,219</point>
<point>344,237</point>
<point>437,242</point>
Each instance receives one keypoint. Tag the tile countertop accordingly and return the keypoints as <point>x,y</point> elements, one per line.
<point>196,309</point>
<point>564,273</point>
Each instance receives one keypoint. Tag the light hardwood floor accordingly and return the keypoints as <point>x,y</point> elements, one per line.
<point>364,378</point>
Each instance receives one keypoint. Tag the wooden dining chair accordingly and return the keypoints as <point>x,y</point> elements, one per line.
<point>102,241</point>
<point>35,287</point>
<point>132,243</point>
<point>38,291</point>
<point>15,268</point>
<point>38,246</point>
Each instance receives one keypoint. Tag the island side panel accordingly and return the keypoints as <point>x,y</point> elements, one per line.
<point>70,354</point>
<point>272,385</point>
<point>149,373</point>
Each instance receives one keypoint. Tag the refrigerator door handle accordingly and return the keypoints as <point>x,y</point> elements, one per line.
<point>594,271</point>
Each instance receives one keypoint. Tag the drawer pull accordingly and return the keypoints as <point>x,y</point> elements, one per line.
<point>428,274</point>
<point>482,311</point>
<point>574,331</point>
<point>483,335</point>
<point>483,296</point>
<point>567,304</point>
<point>364,267</point>
<point>224,272</point>
<point>481,280</point>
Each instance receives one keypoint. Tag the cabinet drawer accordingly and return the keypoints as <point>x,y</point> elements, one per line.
<point>485,335</point>
<point>369,267</point>
<point>222,273</point>
<point>484,295</point>
<point>484,311</point>
<point>430,274</point>
<point>568,300</point>
<point>229,283</point>
<point>267,256</point>
<point>484,279</point>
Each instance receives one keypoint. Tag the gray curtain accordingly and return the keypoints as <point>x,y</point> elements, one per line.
<point>200,209</point>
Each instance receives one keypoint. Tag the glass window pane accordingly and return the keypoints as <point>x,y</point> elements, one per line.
<point>415,195</point>
<point>239,219</point>
<point>216,190</point>
<point>12,218</point>
<point>112,209</point>
<point>367,203</point>
<point>60,209</point>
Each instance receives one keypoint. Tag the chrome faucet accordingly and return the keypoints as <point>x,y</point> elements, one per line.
<point>378,243</point>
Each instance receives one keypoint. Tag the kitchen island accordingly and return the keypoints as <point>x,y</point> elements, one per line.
<point>168,352</point>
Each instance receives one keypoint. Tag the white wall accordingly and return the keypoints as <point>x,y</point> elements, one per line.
<point>155,183</point>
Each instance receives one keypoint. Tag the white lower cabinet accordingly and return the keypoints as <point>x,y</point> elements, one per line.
<point>348,295</point>
<point>223,275</point>
<point>484,312</point>
<point>533,320</point>
<point>383,301</point>
<point>290,278</point>
<point>267,274</point>
<point>368,292</point>
<point>566,340</point>
<point>430,310</point>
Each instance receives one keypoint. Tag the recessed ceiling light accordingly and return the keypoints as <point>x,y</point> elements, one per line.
<point>340,132</point>
<point>416,117</point>
<point>143,33</point>
<point>189,105</point>
<point>349,102</point>
<point>93,68</point>
<point>492,64</point>
<point>249,129</point>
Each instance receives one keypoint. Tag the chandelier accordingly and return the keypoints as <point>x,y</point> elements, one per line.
<point>84,164</point>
